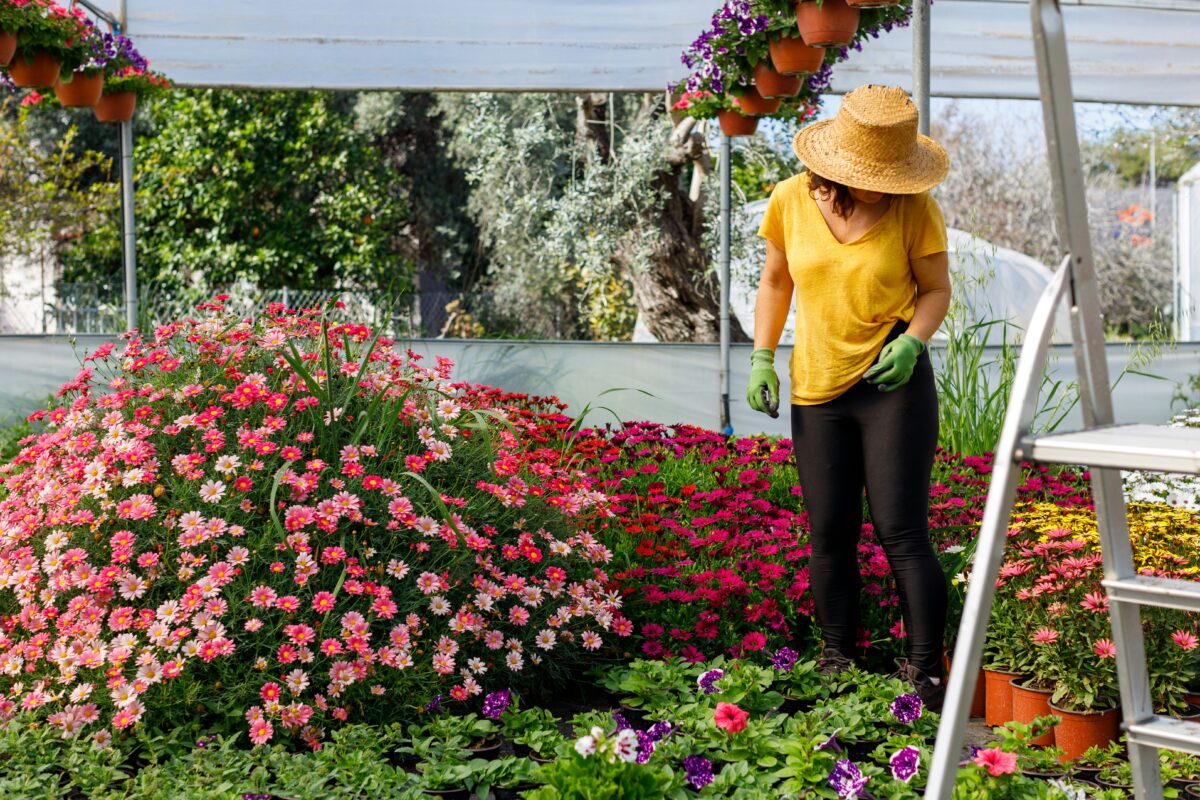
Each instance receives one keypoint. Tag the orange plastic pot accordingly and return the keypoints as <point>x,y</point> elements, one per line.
<point>998,701</point>
<point>1080,730</point>
<point>8,47</point>
<point>833,23</point>
<point>735,124</point>
<point>771,84</point>
<point>979,699</point>
<point>82,91</point>
<point>118,107</point>
<point>755,105</point>
<point>39,71</point>
<point>1028,704</point>
<point>794,57</point>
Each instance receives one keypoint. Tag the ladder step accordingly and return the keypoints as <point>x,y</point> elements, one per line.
<point>1157,448</point>
<point>1167,733</point>
<point>1151,591</point>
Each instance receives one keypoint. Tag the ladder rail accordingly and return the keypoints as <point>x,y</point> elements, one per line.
<point>989,549</point>
<point>1066,169</point>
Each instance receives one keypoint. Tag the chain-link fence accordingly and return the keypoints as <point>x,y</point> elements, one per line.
<point>100,308</point>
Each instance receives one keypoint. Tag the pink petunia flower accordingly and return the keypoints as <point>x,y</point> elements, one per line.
<point>996,761</point>
<point>730,718</point>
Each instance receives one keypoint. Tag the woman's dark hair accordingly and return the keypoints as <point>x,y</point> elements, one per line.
<point>842,200</point>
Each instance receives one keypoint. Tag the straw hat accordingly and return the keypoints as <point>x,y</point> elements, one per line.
<point>873,144</point>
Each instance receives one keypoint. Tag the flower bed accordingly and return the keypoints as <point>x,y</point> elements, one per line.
<point>290,522</point>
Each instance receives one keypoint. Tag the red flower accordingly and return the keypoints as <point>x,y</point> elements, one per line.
<point>730,718</point>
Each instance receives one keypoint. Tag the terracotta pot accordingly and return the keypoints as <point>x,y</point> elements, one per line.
<point>734,124</point>
<point>1028,704</point>
<point>1193,698</point>
<point>81,91</point>
<point>1080,730</point>
<point>979,699</point>
<point>833,23</point>
<point>39,72</point>
<point>998,705</point>
<point>794,57</point>
<point>771,84</point>
<point>117,107</point>
<point>754,104</point>
<point>8,47</point>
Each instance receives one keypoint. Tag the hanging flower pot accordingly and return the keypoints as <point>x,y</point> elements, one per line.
<point>771,84</point>
<point>734,123</point>
<point>36,71</point>
<point>755,105</point>
<point>118,107</point>
<point>1028,703</point>
<point>791,56</point>
<point>998,697</point>
<point>82,91</point>
<point>8,47</point>
<point>1080,730</point>
<point>833,23</point>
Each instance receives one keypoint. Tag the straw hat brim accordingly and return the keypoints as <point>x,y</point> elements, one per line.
<point>924,167</point>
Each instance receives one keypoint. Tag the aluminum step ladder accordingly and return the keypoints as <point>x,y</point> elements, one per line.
<point>1103,446</point>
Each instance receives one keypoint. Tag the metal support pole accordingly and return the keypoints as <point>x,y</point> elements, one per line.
<point>128,239</point>
<point>920,64</point>
<point>726,222</point>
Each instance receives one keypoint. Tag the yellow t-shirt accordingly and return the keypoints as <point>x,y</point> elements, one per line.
<point>848,296</point>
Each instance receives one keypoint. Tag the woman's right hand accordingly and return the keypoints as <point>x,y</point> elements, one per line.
<point>763,377</point>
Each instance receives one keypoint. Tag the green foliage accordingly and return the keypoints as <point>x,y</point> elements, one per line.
<point>576,778</point>
<point>276,188</point>
<point>44,192</point>
<point>1125,150</point>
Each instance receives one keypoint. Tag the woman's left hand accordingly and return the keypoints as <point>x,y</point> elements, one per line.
<point>895,364</point>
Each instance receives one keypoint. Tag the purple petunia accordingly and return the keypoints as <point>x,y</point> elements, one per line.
<point>708,680</point>
<point>847,780</point>
<point>434,705</point>
<point>784,659</point>
<point>659,730</point>
<point>645,747</point>
<point>620,721</point>
<point>831,743</point>
<point>905,762</point>
<point>699,771</point>
<point>496,703</point>
<point>907,708</point>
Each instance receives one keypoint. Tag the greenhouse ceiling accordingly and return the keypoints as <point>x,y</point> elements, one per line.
<point>1121,51</point>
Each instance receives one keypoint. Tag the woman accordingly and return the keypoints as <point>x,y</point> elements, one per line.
<point>862,247</point>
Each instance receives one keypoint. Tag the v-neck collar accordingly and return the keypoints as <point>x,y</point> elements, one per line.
<point>868,233</point>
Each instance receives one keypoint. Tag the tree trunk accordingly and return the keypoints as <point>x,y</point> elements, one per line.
<point>677,297</point>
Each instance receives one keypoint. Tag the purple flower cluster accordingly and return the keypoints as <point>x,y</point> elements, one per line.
<point>905,762</point>
<point>120,49</point>
<point>907,708</point>
<point>649,738</point>
<point>847,780</point>
<point>699,771</point>
<point>784,659</point>
<point>732,23</point>
<point>709,680</point>
<point>496,703</point>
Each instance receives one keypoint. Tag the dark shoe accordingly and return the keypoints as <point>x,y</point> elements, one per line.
<point>932,694</point>
<point>832,662</point>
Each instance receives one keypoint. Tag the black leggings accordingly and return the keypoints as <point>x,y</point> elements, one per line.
<point>884,442</point>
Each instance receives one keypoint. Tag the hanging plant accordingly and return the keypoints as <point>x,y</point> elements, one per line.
<point>82,78</point>
<point>827,23</point>
<point>45,32</point>
<point>773,84</point>
<point>127,77</point>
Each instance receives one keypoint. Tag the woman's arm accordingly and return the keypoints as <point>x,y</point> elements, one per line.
<point>775,289</point>
<point>933,295</point>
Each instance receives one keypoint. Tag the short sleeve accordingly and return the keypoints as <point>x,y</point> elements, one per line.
<point>772,224</point>
<point>926,228</point>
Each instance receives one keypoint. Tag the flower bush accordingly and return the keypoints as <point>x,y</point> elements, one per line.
<point>1050,585</point>
<point>291,523</point>
<point>715,534</point>
<point>42,26</point>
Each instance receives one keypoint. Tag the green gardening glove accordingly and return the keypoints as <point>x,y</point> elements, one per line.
<point>762,393</point>
<point>895,364</point>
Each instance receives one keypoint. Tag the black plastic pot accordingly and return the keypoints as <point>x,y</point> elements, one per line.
<point>512,793</point>
<point>488,752</point>
<point>1192,790</point>
<point>449,794</point>
<point>1043,776</point>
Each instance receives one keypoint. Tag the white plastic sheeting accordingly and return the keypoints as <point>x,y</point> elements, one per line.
<point>1187,256</point>
<point>981,48</point>
<point>991,283</point>
<point>681,379</point>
